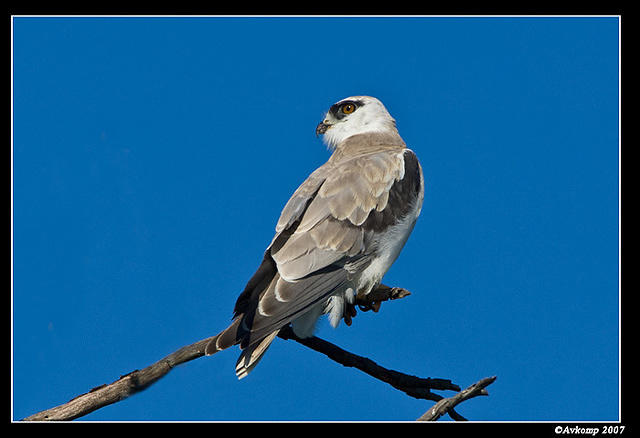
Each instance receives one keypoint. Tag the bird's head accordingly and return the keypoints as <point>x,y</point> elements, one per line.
<point>354,115</point>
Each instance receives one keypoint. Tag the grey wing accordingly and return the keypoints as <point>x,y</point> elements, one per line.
<point>322,237</point>
<point>330,228</point>
<point>255,316</point>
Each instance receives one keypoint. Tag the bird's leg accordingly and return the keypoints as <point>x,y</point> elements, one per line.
<point>373,300</point>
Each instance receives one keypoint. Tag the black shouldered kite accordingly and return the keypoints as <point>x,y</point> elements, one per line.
<point>336,237</point>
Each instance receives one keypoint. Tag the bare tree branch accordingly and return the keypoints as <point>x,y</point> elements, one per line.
<point>416,387</point>
<point>122,388</point>
<point>447,404</point>
<point>139,380</point>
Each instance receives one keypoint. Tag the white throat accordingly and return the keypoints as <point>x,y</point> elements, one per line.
<point>341,131</point>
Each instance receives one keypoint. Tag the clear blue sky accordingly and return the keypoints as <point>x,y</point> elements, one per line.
<point>152,157</point>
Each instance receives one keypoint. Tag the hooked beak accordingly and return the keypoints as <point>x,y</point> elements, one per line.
<point>322,128</point>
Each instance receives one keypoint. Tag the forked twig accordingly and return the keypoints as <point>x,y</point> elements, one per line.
<point>446,405</point>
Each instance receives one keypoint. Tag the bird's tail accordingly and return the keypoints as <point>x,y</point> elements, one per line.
<point>225,339</point>
<point>250,355</point>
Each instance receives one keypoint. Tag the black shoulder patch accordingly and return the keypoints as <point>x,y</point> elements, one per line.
<point>402,196</point>
<point>412,170</point>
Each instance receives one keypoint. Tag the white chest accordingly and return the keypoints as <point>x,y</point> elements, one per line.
<point>390,243</point>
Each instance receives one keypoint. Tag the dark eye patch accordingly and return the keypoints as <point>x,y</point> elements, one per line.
<point>335,109</point>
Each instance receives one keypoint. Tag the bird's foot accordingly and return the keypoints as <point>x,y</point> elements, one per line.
<point>349,313</point>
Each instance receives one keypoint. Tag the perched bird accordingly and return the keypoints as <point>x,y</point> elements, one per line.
<point>337,235</point>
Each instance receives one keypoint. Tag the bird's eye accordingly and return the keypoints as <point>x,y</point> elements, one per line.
<point>348,108</point>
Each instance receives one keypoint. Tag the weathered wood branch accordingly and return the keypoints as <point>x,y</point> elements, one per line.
<point>416,387</point>
<point>139,380</point>
<point>446,405</point>
<point>122,388</point>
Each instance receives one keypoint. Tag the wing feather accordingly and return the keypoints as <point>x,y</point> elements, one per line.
<point>320,236</point>
<point>298,202</point>
<point>288,300</point>
<point>331,226</point>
